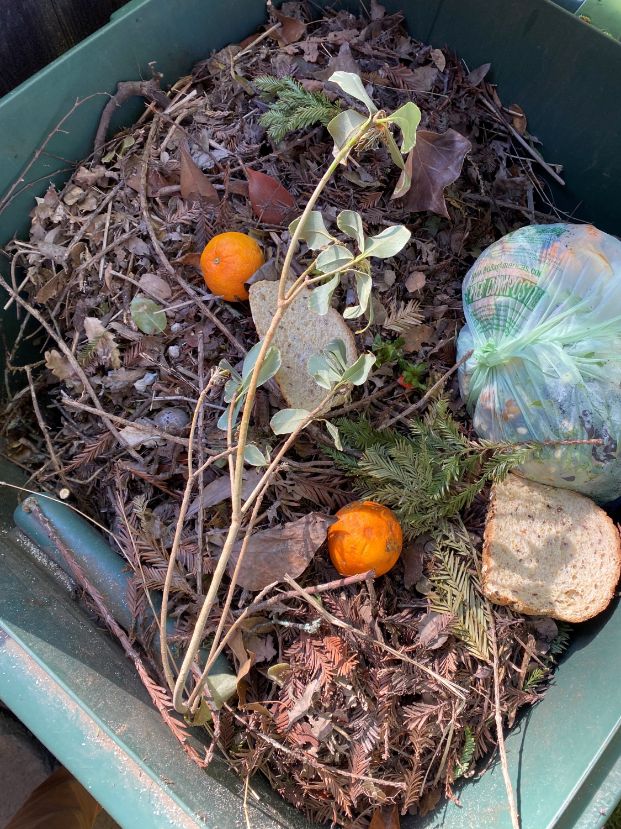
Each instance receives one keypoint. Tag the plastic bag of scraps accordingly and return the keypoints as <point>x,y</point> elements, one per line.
<point>543,320</point>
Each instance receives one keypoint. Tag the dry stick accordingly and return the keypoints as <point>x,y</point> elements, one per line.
<point>124,91</point>
<point>428,394</point>
<point>238,467</point>
<point>364,401</point>
<point>103,204</point>
<point>531,150</point>
<point>515,818</point>
<point>334,620</point>
<point>48,441</point>
<point>78,574</point>
<point>312,591</point>
<point>74,364</point>
<point>151,430</point>
<point>118,241</point>
<point>9,195</point>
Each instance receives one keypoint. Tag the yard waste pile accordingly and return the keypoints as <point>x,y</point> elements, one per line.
<point>219,423</point>
<point>543,323</point>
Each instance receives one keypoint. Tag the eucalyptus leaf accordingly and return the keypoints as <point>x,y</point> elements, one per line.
<point>407,118</point>
<point>395,152</point>
<point>332,258</point>
<point>320,298</point>
<point>335,435</point>
<point>387,243</point>
<point>344,125</point>
<point>147,314</point>
<point>314,232</point>
<point>224,365</point>
<point>269,367</point>
<point>223,420</point>
<point>352,85</point>
<point>254,456</point>
<point>350,223</point>
<point>359,371</point>
<point>288,420</point>
<point>364,283</point>
<point>231,388</point>
<point>338,350</point>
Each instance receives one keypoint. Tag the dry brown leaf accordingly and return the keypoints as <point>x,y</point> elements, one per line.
<point>415,281</point>
<point>475,77</point>
<point>194,183</point>
<point>422,79</point>
<point>412,557</point>
<point>385,817</point>
<point>122,378</point>
<point>193,260</point>
<point>155,286</point>
<point>220,489</point>
<point>437,56</point>
<point>429,801</point>
<point>62,368</point>
<point>262,647</point>
<point>290,31</point>
<point>280,551</point>
<point>103,340</point>
<point>434,163</point>
<point>415,337</point>
<point>518,118</point>
<point>433,630</point>
<point>271,203</point>
<point>341,62</point>
<point>49,289</point>
<point>304,702</point>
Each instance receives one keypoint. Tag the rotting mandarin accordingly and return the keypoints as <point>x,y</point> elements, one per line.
<point>228,260</point>
<point>367,536</point>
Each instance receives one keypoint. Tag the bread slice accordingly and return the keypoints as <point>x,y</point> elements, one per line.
<point>301,334</point>
<point>549,551</point>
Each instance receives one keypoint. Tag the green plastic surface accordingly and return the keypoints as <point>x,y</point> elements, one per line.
<point>564,756</point>
<point>605,14</point>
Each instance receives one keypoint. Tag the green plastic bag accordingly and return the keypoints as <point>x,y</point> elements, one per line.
<point>543,320</point>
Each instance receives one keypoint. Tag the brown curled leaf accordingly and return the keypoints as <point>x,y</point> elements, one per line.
<point>434,162</point>
<point>271,203</point>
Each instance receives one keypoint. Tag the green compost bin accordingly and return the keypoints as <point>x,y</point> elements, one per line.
<point>65,678</point>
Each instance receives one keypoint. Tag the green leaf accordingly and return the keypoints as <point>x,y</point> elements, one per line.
<point>288,420</point>
<point>314,232</point>
<point>320,298</point>
<point>334,433</point>
<point>350,223</point>
<point>407,118</point>
<point>358,372</point>
<point>387,243</point>
<point>332,258</point>
<point>254,456</point>
<point>364,283</point>
<point>394,151</point>
<point>231,388</point>
<point>352,85</point>
<point>344,125</point>
<point>147,314</point>
<point>223,420</point>
<point>271,364</point>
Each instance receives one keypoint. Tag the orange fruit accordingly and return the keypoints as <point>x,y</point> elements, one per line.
<point>367,536</point>
<point>227,261</point>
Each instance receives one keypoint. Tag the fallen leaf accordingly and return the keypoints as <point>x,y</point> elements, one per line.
<point>437,56</point>
<point>89,177</point>
<point>73,194</point>
<point>385,817</point>
<point>102,341</point>
<point>194,183</point>
<point>412,557</point>
<point>415,281</point>
<point>475,77</point>
<point>122,378</point>
<point>377,10</point>
<point>220,489</point>
<point>156,286</point>
<point>279,672</point>
<point>62,369</point>
<point>518,118</point>
<point>429,801</point>
<point>422,78</point>
<point>262,647</point>
<point>149,317</point>
<point>304,702</point>
<point>279,551</point>
<point>138,246</point>
<point>341,62</point>
<point>139,434</point>
<point>434,163</point>
<point>49,289</point>
<point>290,31</point>
<point>321,727</point>
<point>415,337</point>
<point>433,630</point>
<point>191,259</point>
<point>271,203</point>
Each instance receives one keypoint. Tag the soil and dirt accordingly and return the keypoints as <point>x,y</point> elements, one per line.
<point>339,724</point>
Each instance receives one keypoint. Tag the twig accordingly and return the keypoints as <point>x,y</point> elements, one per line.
<point>124,91</point>
<point>530,150</point>
<point>428,394</point>
<point>364,402</point>
<point>334,620</point>
<point>515,818</point>
<point>75,365</point>
<point>102,261</point>
<point>256,41</point>
<point>9,195</point>
<point>312,591</point>
<point>44,430</point>
<point>100,253</point>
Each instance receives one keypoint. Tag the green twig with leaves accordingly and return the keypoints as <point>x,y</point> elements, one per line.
<point>294,107</point>
<point>330,258</point>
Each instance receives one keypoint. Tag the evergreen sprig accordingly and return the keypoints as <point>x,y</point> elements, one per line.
<point>294,108</point>
<point>430,475</point>
<point>467,753</point>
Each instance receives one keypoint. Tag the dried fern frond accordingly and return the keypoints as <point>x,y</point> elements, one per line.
<point>402,316</point>
<point>294,108</point>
